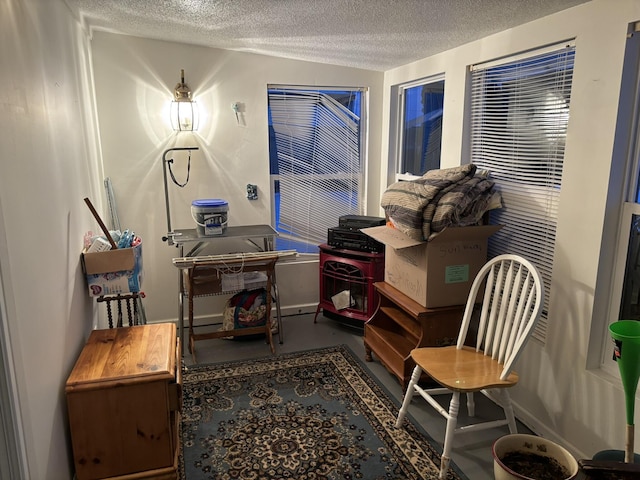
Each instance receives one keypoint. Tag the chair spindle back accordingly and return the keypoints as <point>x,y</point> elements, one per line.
<point>511,306</point>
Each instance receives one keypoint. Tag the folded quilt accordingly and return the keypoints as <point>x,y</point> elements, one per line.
<point>424,207</point>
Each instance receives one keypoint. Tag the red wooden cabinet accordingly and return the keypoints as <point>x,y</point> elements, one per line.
<point>347,278</point>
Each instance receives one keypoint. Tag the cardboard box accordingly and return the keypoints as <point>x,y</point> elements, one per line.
<point>438,273</point>
<point>113,272</point>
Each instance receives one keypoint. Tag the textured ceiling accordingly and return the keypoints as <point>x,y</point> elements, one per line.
<point>371,34</point>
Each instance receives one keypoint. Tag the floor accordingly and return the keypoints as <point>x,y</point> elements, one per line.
<point>471,451</point>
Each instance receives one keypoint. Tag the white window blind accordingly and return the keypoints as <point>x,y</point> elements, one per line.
<point>317,170</point>
<point>519,118</point>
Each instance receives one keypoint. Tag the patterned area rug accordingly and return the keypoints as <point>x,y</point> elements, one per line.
<point>315,415</point>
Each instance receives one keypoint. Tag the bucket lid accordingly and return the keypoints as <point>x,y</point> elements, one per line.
<point>209,202</point>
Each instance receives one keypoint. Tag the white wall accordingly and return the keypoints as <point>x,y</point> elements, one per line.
<point>134,84</point>
<point>48,164</point>
<point>557,395</point>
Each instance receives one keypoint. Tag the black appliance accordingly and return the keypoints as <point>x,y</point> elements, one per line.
<point>348,235</point>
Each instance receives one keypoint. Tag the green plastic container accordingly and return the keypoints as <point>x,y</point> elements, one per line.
<point>626,334</point>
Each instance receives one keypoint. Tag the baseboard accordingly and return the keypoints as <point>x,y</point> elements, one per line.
<point>298,309</point>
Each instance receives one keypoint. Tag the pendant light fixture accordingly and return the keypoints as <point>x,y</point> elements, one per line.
<point>184,111</point>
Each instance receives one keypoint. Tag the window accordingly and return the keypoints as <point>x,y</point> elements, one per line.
<point>630,295</point>
<point>625,291</point>
<point>419,136</point>
<point>316,161</point>
<point>519,118</point>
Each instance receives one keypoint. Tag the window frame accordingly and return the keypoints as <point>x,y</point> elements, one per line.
<point>397,139</point>
<point>629,187</point>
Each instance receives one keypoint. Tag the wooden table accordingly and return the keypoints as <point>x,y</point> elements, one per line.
<point>245,233</point>
<point>203,277</point>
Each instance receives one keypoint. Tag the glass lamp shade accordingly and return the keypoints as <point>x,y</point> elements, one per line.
<point>184,115</point>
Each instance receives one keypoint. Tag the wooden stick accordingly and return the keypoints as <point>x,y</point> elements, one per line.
<point>628,452</point>
<point>101,223</point>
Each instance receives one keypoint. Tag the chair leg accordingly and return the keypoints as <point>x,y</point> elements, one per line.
<point>505,400</point>
<point>408,394</point>
<point>452,422</point>
<point>192,349</point>
<point>190,322</point>
<point>471,405</point>
<point>109,314</point>
<point>119,321</point>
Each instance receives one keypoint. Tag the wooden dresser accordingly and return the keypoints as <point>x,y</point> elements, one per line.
<point>124,400</point>
<point>400,324</point>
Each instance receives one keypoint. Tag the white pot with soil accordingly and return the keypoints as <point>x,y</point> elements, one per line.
<point>528,457</point>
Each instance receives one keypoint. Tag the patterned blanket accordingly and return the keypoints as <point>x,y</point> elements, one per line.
<point>424,207</point>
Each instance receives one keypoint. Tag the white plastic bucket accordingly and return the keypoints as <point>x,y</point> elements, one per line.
<point>210,215</point>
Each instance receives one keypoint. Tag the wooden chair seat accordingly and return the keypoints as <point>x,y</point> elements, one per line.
<point>462,370</point>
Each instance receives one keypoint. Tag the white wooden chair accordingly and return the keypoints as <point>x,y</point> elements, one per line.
<point>511,305</point>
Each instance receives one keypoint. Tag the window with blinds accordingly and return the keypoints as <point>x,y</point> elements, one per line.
<point>519,118</point>
<point>316,163</point>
